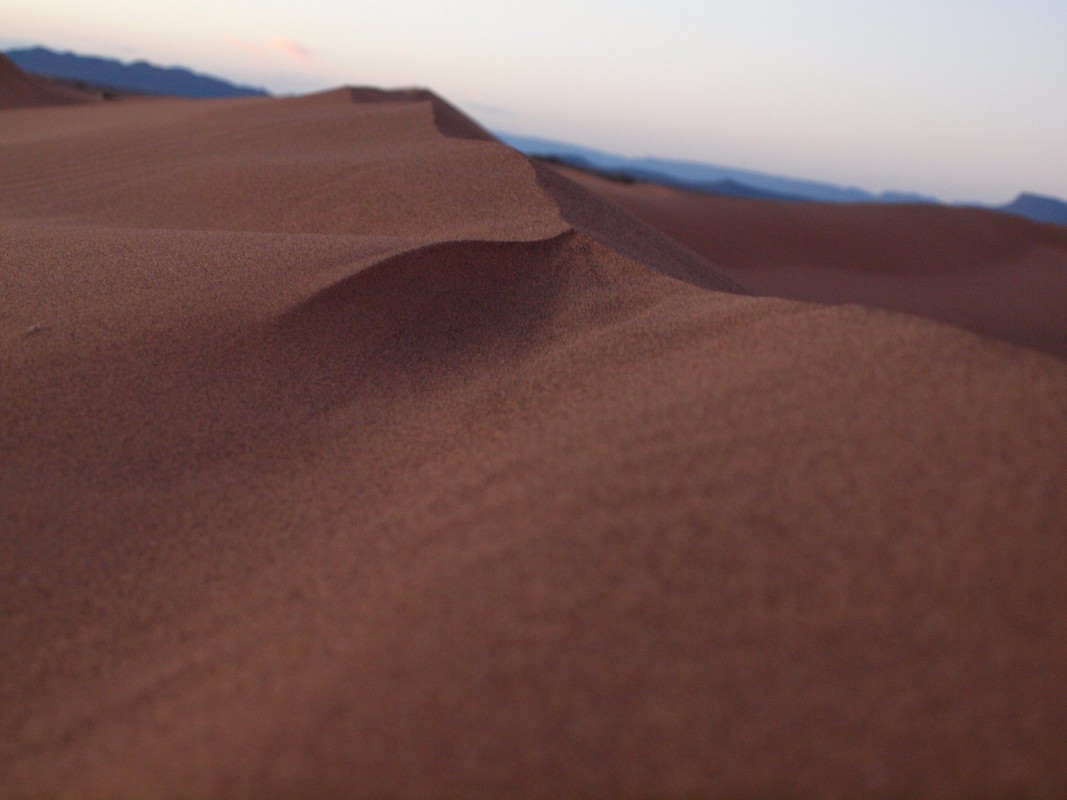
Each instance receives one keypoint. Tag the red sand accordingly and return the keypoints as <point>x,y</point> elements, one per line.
<point>343,457</point>
<point>20,90</point>
<point>992,273</point>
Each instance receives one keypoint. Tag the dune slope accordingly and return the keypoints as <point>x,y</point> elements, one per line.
<point>21,90</point>
<point>999,275</point>
<point>346,455</point>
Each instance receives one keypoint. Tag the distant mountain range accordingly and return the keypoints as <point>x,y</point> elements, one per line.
<point>731,182</point>
<point>705,177</point>
<point>1038,208</point>
<point>139,76</point>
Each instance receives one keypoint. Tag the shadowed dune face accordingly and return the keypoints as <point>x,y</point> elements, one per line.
<point>341,456</point>
<point>630,236</point>
<point>993,273</point>
<point>448,309</point>
<point>20,90</point>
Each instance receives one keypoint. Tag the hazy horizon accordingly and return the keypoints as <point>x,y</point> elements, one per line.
<point>963,101</point>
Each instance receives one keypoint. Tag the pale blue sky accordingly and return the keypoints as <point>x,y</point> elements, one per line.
<point>966,100</point>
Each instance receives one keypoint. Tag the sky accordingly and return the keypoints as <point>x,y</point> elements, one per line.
<point>962,99</point>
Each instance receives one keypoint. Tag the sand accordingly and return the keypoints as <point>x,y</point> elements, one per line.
<point>22,90</point>
<point>345,453</point>
<point>992,273</point>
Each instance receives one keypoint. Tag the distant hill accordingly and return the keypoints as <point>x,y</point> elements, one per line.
<point>139,76</point>
<point>730,182</point>
<point>727,187</point>
<point>706,177</point>
<point>1038,208</point>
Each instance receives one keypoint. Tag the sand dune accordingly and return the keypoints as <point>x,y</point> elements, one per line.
<point>346,453</point>
<point>999,275</point>
<point>20,90</point>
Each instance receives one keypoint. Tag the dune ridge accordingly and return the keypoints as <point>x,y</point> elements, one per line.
<point>348,455</point>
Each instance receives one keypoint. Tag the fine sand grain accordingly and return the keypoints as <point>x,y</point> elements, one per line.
<point>345,453</point>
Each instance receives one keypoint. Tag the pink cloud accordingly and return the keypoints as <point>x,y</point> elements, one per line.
<point>291,49</point>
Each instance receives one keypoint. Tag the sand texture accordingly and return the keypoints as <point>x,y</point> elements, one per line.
<point>992,273</point>
<point>347,454</point>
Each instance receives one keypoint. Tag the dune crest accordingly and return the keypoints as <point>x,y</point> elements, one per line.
<point>346,452</point>
<point>449,120</point>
